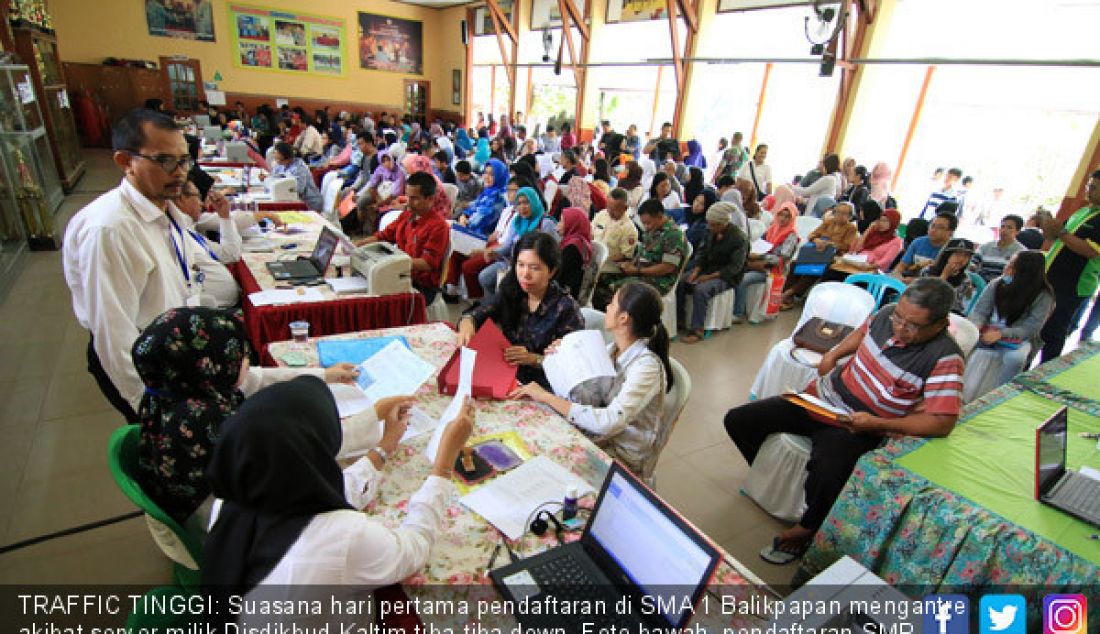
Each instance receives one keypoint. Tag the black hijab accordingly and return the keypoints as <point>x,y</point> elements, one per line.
<point>694,186</point>
<point>275,468</point>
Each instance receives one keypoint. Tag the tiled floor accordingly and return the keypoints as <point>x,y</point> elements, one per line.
<point>54,426</point>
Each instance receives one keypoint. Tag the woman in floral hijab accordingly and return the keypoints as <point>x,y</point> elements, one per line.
<point>191,361</point>
<point>194,364</point>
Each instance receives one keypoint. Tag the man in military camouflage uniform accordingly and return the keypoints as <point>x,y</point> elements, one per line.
<point>658,261</point>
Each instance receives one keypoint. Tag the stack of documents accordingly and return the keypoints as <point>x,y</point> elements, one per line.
<point>581,356</point>
<point>286,296</point>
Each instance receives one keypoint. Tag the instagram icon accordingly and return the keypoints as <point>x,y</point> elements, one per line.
<point>1065,614</point>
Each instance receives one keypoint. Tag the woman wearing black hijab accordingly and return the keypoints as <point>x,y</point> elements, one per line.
<point>288,514</point>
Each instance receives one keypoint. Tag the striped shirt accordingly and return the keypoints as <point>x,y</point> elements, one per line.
<point>936,199</point>
<point>889,379</point>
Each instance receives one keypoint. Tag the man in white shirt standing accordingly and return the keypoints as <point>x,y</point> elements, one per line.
<point>758,172</point>
<point>127,255</point>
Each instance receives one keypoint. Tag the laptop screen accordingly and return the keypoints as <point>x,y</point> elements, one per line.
<point>660,555</point>
<point>326,247</point>
<point>1050,452</point>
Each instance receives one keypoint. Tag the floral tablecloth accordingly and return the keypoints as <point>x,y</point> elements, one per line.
<point>461,554</point>
<point>926,536</point>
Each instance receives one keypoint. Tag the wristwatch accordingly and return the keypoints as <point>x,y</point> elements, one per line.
<point>382,453</point>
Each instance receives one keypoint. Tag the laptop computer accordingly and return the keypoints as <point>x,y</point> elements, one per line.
<point>201,120</point>
<point>311,268</point>
<point>634,546</point>
<point>1065,490</point>
<point>810,261</point>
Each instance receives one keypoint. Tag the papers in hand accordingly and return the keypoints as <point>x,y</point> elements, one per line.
<point>393,371</point>
<point>854,258</point>
<point>814,405</point>
<point>286,296</point>
<point>507,501</point>
<point>465,241</point>
<point>761,247</point>
<point>466,360</point>
<point>581,356</point>
<point>350,400</point>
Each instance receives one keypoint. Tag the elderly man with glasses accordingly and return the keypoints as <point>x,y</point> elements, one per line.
<point>904,378</point>
<point>128,255</point>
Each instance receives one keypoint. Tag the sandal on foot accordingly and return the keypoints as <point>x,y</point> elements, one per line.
<point>783,555</point>
<point>691,337</point>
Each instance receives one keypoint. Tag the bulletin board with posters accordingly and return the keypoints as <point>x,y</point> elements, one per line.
<point>636,10</point>
<point>271,39</point>
<point>483,23</point>
<point>546,14</point>
<point>391,44</point>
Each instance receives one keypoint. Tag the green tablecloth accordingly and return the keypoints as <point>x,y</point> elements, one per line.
<point>960,511</point>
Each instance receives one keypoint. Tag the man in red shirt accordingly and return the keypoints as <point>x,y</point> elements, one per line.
<point>905,377</point>
<point>421,232</point>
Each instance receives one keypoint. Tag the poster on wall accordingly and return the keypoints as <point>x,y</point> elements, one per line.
<point>392,44</point>
<point>546,14</point>
<point>292,42</point>
<point>483,24</point>
<point>187,19</point>
<point>636,10</point>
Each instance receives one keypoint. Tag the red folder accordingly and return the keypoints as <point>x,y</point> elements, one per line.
<point>493,377</point>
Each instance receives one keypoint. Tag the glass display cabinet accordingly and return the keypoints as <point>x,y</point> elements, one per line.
<point>38,49</point>
<point>32,190</point>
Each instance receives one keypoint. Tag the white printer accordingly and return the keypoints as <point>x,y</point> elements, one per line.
<point>387,269</point>
<point>281,188</point>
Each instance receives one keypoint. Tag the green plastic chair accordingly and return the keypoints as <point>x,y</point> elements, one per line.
<point>122,456</point>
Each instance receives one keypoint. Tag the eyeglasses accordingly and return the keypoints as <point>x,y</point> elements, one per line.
<point>905,325</point>
<point>167,162</point>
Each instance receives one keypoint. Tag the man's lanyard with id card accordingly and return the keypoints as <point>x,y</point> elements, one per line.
<point>193,275</point>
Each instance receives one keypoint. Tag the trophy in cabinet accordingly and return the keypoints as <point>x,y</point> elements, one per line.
<point>32,206</point>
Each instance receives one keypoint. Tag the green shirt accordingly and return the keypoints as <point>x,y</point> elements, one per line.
<point>1067,269</point>
<point>664,245</point>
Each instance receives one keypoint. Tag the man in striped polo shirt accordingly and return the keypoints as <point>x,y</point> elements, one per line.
<point>905,378</point>
<point>948,194</point>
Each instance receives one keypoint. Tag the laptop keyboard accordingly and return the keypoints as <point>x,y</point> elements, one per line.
<point>1082,494</point>
<point>565,578</point>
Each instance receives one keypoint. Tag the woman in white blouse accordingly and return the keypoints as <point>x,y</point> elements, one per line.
<point>289,517</point>
<point>827,185</point>
<point>626,420</point>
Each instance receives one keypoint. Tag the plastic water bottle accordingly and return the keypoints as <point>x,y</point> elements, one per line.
<point>247,177</point>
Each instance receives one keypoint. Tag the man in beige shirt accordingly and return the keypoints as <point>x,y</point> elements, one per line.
<point>614,228</point>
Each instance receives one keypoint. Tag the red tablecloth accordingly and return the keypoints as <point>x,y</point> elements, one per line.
<point>294,205</point>
<point>272,323</point>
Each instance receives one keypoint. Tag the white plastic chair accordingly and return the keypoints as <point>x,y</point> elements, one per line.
<point>668,314</point>
<point>805,225</point>
<point>600,253</point>
<point>452,193</point>
<point>331,184</point>
<point>833,301</point>
<point>388,218</point>
<point>777,478</point>
<point>673,406</point>
<point>549,190</point>
<point>437,310</point>
<point>964,331</point>
<point>756,229</point>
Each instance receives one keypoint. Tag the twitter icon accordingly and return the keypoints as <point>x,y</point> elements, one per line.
<point>1003,614</point>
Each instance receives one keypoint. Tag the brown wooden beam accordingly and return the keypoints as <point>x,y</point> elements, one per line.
<point>912,125</point>
<point>656,97</point>
<point>498,17</point>
<point>691,16</point>
<point>468,80</point>
<point>575,16</point>
<point>681,66</point>
<point>760,103</point>
<point>854,41</point>
<point>499,27</point>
